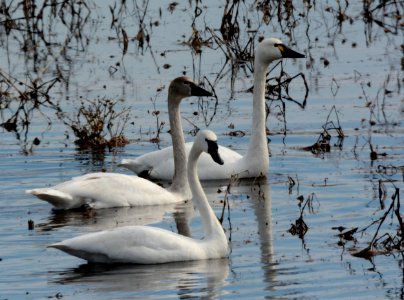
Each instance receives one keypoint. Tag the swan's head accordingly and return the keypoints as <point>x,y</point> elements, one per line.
<point>206,140</point>
<point>182,87</point>
<point>272,49</point>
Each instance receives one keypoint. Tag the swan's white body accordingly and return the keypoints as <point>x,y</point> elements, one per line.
<point>104,190</point>
<point>163,170</point>
<point>150,245</point>
<point>255,162</point>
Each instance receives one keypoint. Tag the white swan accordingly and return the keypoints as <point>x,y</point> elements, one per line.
<point>152,245</point>
<point>104,190</point>
<point>255,163</point>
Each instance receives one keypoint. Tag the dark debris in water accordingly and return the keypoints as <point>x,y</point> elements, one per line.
<point>347,235</point>
<point>31,225</point>
<point>238,133</point>
<point>323,143</point>
<point>320,146</point>
<point>300,227</point>
<point>392,240</point>
<point>58,295</point>
<point>10,125</point>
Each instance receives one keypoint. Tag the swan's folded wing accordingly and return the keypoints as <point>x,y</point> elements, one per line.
<point>160,164</point>
<point>105,190</point>
<point>132,244</point>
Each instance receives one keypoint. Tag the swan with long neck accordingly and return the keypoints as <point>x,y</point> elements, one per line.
<point>255,162</point>
<point>104,190</point>
<point>151,245</point>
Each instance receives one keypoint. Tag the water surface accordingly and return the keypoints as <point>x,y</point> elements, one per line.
<point>362,80</point>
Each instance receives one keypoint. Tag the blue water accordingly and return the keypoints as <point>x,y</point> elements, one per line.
<point>266,261</point>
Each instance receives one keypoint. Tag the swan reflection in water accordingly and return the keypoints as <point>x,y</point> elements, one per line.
<point>251,222</point>
<point>203,278</point>
<point>101,219</point>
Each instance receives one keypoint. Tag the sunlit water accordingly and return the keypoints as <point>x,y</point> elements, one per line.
<point>266,261</point>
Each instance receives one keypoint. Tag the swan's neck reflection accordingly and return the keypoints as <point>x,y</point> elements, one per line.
<point>258,194</point>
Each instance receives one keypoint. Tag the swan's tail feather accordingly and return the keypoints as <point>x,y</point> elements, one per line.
<point>86,255</point>
<point>58,199</point>
<point>58,246</point>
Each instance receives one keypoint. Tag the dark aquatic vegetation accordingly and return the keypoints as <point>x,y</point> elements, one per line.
<point>347,235</point>
<point>31,225</point>
<point>97,125</point>
<point>20,101</point>
<point>62,61</point>
<point>322,144</point>
<point>386,243</point>
<point>156,113</point>
<point>299,227</point>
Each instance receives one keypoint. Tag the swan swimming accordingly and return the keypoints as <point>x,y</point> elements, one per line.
<point>105,190</point>
<point>255,163</point>
<point>152,245</point>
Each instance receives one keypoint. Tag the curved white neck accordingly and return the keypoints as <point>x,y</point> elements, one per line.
<point>180,181</point>
<point>258,146</point>
<point>211,225</point>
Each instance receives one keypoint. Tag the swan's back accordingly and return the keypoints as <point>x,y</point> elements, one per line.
<point>160,164</point>
<point>105,190</point>
<point>139,245</point>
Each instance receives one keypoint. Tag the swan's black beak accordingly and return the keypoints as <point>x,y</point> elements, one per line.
<point>213,150</point>
<point>198,91</point>
<point>289,53</point>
